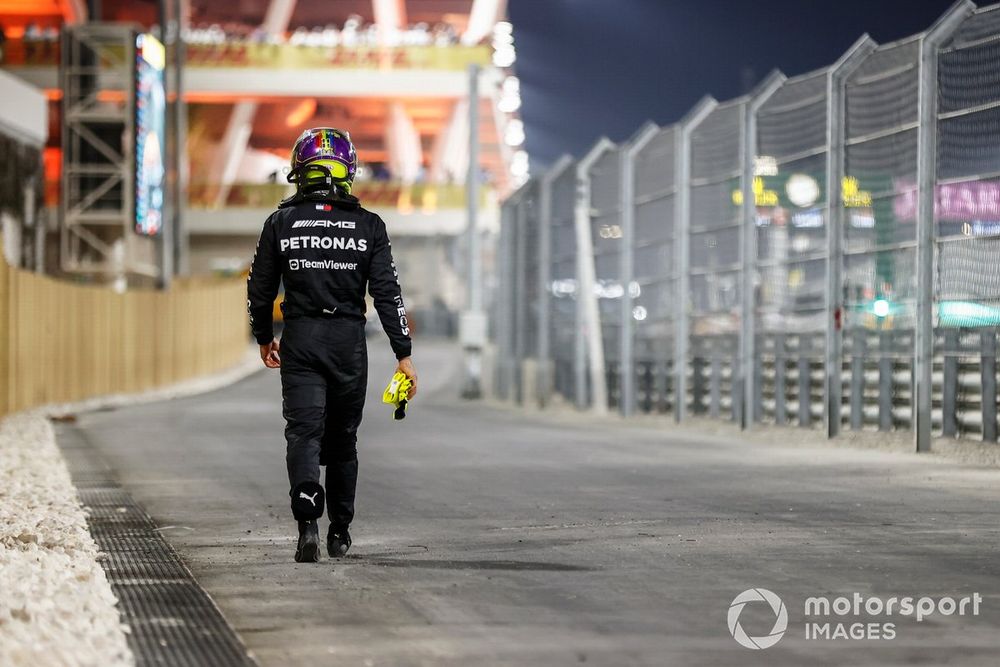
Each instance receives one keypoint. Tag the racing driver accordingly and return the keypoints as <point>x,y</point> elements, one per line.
<point>327,249</point>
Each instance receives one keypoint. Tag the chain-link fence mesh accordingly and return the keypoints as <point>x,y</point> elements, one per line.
<point>789,188</point>
<point>715,276</point>
<point>606,236</point>
<point>879,244</point>
<point>563,283</point>
<point>916,126</point>
<point>502,315</point>
<point>653,288</point>
<point>967,212</point>
<point>526,289</point>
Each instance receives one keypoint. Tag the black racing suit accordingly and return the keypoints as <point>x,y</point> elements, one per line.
<point>327,250</point>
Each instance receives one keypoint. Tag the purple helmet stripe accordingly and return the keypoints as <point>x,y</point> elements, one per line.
<point>325,143</point>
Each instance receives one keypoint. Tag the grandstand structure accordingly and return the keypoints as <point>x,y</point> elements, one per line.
<point>255,74</point>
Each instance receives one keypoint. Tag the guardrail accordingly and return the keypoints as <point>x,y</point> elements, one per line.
<point>66,342</point>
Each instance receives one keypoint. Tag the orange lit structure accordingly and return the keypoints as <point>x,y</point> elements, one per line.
<point>257,73</point>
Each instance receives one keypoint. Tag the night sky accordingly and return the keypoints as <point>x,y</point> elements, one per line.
<point>593,67</point>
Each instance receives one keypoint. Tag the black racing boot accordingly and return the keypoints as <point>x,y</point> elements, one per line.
<point>338,541</point>
<point>308,549</point>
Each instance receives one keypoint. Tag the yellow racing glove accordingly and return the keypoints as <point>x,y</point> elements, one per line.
<point>396,395</point>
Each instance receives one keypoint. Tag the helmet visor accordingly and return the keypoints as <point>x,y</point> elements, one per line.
<point>338,170</point>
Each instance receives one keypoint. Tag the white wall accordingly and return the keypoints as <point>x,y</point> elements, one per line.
<point>24,112</point>
<point>257,165</point>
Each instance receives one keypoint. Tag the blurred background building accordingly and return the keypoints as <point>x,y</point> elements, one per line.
<point>104,193</point>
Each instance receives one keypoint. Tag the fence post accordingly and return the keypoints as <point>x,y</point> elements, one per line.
<point>748,246</point>
<point>988,370</point>
<point>544,351</point>
<point>627,263</point>
<point>505,323</point>
<point>495,377</point>
<point>949,390</point>
<point>927,109</point>
<point>886,385</point>
<point>858,348</point>
<point>519,302</point>
<point>682,227</point>
<point>780,409</point>
<point>626,260</point>
<point>589,343</point>
<point>805,380</point>
<point>715,385</point>
<point>835,317</point>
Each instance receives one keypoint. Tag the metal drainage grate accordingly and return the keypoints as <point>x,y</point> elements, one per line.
<point>173,620</point>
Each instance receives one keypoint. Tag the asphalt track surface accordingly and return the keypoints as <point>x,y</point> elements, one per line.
<point>491,536</point>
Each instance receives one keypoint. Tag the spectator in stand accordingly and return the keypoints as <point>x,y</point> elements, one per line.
<point>354,34</point>
<point>315,38</point>
<point>215,34</point>
<point>298,37</point>
<point>331,36</point>
<point>31,36</point>
<point>444,34</point>
<point>417,36</point>
<point>349,36</point>
<point>50,37</point>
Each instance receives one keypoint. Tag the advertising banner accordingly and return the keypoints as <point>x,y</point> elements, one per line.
<point>150,134</point>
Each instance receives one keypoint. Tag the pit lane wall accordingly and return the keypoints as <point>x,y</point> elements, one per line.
<point>64,342</point>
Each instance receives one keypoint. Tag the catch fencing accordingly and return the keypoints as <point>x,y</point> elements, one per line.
<point>823,252</point>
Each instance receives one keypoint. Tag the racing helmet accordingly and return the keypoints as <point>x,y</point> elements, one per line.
<point>322,158</point>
